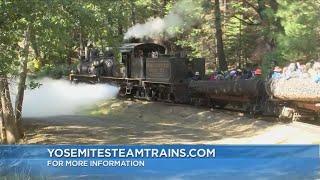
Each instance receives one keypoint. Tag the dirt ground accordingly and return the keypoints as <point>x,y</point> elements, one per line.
<point>139,122</point>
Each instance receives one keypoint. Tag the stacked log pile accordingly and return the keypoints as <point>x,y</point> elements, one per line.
<point>296,89</point>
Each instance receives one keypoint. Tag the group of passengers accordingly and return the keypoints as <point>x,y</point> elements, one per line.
<point>294,70</point>
<point>236,73</point>
<point>297,70</point>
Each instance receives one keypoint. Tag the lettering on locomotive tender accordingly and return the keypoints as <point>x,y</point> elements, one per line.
<point>158,69</point>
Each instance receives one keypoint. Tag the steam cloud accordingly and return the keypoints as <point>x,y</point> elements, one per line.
<point>182,15</point>
<point>60,97</point>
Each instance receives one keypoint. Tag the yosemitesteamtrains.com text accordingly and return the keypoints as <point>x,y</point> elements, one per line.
<point>132,153</point>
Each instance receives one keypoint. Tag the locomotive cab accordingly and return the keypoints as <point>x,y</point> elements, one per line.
<point>134,57</point>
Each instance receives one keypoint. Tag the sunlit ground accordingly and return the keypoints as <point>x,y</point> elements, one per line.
<point>128,122</point>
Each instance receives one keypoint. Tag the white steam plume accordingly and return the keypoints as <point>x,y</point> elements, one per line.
<point>60,97</point>
<point>184,14</point>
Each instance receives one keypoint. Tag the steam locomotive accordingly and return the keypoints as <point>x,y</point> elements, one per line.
<point>146,71</point>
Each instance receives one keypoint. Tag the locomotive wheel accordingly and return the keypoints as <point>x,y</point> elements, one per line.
<point>74,81</point>
<point>270,109</point>
<point>252,110</point>
<point>195,102</point>
<point>139,93</point>
<point>221,105</point>
<point>148,94</point>
<point>154,95</point>
<point>171,98</point>
<point>122,92</point>
<point>216,104</point>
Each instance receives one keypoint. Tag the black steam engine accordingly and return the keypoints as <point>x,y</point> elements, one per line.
<point>145,71</point>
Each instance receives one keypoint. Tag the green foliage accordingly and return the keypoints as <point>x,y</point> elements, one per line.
<point>54,71</point>
<point>34,84</point>
<point>267,62</point>
<point>199,39</point>
<point>300,19</point>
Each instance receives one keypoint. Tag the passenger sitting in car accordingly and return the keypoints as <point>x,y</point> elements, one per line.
<point>213,76</point>
<point>247,74</point>
<point>232,75</point>
<point>220,76</point>
<point>154,54</point>
<point>277,73</point>
<point>258,74</point>
<point>196,76</point>
<point>316,76</point>
<point>239,74</point>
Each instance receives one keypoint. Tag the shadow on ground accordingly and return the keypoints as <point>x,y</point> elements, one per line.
<point>128,122</point>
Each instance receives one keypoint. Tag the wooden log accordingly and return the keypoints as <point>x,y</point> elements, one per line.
<point>295,89</point>
<point>250,88</point>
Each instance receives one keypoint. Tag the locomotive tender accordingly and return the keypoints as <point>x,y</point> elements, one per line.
<point>147,72</point>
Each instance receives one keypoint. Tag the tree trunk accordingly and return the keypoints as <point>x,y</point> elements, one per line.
<point>164,5</point>
<point>156,8</point>
<point>220,50</point>
<point>69,56</point>
<point>133,13</point>
<point>120,28</point>
<point>272,25</point>
<point>22,79</point>
<point>81,44</point>
<point>3,137</point>
<point>10,133</point>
